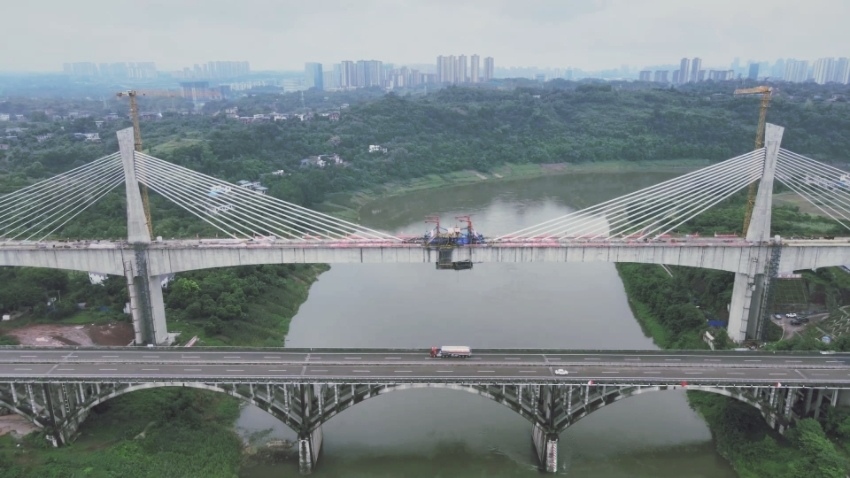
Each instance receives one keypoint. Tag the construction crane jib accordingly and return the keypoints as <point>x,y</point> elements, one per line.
<point>765,92</point>
<point>137,143</point>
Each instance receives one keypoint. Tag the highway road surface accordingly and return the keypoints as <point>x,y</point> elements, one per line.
<point>199,364</point>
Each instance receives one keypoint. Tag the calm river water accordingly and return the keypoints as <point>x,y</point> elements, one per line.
<point>436,433</point>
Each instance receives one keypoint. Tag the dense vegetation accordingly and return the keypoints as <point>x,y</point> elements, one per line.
<point>674,311</point>
<point>170,432</point>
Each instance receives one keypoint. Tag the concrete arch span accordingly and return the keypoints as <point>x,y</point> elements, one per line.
<point>4,403</point>
<point>508,398</point>
<point>600,400</point>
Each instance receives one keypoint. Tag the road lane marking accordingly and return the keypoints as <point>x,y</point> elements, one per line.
<point>232,356</point>
<point>150,356</point>
<point>528,371</point>
<point>793,361</point>
<point>610,372</point>
<point>672,360</point>
<point>360,371</point>
<point>109,356</point>
<point>191,370</point>
<point>833,361</point>
<point>22,369</point>
<point>652,373</point>
<point>353,358</point>
<point>392,358</point>
<point>778,374</point>
<point>234,370</point>
<point>29,356</point>
<point>632,360</point>
<point>820,374</point>
<point>282,370</point>
<point>692,373</point>
<point>554,359</point>
<point>711,360</point>
<point>108,369</point>
<point>191,356</point>
<point>445,371</point>
<point>403,371</point>
<point>486,371</point>
<point>752,360</point>
<point>149,369</point>
<point>735,373</point>
<point>591,358</point>
<point>271,356</point>
<point>317,370</point>
<point>64,369</point>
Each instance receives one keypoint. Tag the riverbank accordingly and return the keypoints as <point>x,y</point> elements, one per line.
<point>740,433</point>
<point>349,204</point>
<point>158,432</point>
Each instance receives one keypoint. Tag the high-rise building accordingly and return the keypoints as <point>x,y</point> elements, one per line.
<point>645,75</point>
<point>842,71</point>
<point>754,71</point>
<point>796,71</point>
<point>696,67</point>
<point>660,76</point>
<point>80,69</point>
<point>461,70</point>
<point>348,74</point>
<point>777,72</point>
<point>824,70</point>
<point>489,68</point>
<point>473,68</point>
<point>676,75</point>
<point>313,76</point>
<point>684,71</point>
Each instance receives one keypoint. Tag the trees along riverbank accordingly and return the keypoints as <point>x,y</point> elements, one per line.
<point>674,309</point>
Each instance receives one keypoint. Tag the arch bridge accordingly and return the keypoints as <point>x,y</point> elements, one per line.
<point>57,388</point>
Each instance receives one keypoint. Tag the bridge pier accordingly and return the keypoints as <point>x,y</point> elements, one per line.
<point>752,281</point>
<point>146,303</point>
<point>309,447</point>
<point>546,446</point>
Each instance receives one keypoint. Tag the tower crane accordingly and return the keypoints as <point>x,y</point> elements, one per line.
<point>137,145</point>
<point>765,92</point>
<point>137,134</point>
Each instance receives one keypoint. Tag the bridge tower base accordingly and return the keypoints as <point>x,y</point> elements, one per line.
<point>309,447</point>
<point>546,446</point>
<point>146,303</point>
<point>746,310</point>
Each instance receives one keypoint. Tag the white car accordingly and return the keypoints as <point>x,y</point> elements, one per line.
<point>791,315</point>
<point>561,371</point>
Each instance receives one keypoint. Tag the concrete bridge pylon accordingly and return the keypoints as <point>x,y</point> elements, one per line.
<point>746,310</point>
<point>147,306</point>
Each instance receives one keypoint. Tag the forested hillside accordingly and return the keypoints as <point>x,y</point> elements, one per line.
<point>453,129</point>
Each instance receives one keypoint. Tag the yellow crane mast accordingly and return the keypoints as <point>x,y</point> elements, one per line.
<point>137,143</point>
<point>765,92</point>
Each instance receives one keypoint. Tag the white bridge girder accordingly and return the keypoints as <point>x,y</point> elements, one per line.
<point>165,259</point>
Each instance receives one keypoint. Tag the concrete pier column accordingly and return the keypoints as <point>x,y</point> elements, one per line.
<point>309,447</point>
<point>746,308</point>
<point>546,446</point>
<point>146,303</point>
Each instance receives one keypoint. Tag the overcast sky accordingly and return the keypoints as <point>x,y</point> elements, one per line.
<point>39,35</point>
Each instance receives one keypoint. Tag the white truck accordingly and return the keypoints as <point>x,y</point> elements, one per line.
<point>455,351</point>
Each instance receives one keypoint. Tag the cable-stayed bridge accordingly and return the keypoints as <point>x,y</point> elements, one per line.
<point>259,229</point>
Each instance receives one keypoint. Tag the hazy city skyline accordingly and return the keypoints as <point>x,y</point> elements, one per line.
<point>280,35</point>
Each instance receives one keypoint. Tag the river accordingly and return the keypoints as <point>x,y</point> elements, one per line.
<point>434,433</point>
